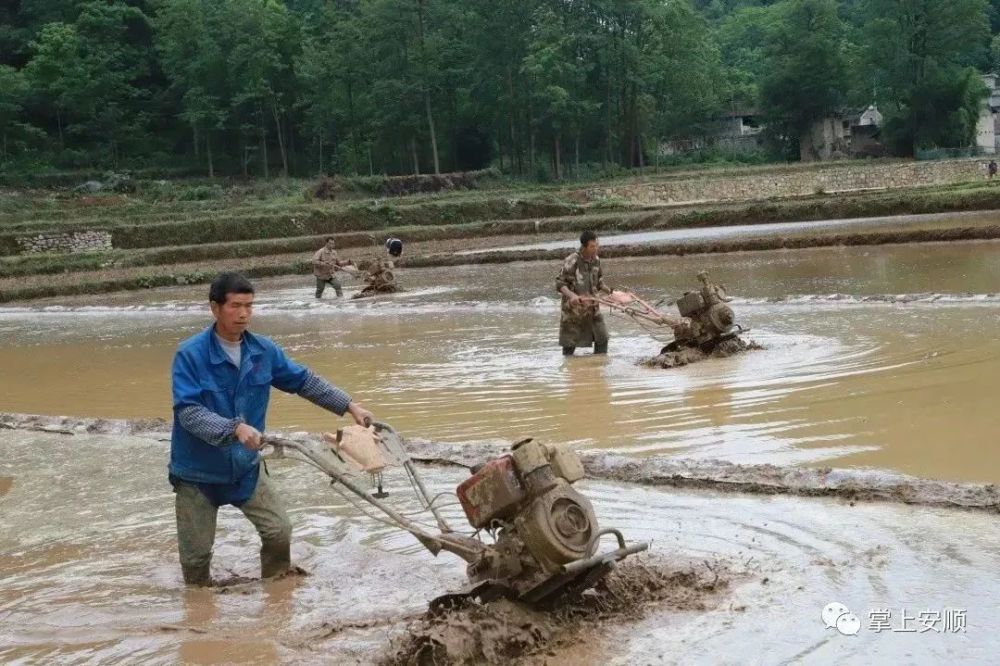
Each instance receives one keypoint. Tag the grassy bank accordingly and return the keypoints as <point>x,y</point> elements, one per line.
<point>221,238</point>
<point>48,264</point>
<point>166,234</point>
<point>225,227</point>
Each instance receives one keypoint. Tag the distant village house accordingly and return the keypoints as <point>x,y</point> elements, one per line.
<point>843,135</point>
<point>987,128</point>
<point>736,132</point>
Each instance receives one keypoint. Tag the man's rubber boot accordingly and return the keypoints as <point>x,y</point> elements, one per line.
<point>568,351</point>
<point>197,575</point>
<point>601,349</point>
<point>275,559</point>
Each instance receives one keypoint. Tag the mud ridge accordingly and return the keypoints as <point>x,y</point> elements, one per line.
<point>509,632</point>
<point>849,484</point>
<point>170,275</point>
<point>859,484</point>
<point>987,232</point>
<point>69,425</point>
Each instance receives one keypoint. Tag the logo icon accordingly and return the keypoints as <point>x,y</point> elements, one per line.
<point>838,616</point>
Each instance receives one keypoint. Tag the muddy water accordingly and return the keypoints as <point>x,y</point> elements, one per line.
<point>90,575</point>
<point>874,356</point>
<point>737,231</point>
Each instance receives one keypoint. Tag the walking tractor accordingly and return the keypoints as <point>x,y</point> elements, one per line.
<point>706,321</point>
<point>533,536</point>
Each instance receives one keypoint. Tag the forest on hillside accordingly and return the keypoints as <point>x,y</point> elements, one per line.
<point>543,88</point>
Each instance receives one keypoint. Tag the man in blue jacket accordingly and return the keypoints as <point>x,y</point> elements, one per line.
<point>222,379</point>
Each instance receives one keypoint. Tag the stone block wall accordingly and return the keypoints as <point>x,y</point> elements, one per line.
<point>75,241</point>
<point>795,182</point>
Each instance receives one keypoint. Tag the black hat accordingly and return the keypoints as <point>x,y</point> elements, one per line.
<point>394,246</point>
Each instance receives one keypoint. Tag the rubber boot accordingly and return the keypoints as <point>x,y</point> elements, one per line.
<point>601,348</point>
<point>197,575</point>
<point>568,351</point>
<point>275,559</point>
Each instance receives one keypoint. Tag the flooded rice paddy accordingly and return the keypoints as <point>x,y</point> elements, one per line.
<point>886,357</point>
<point>874,357</point>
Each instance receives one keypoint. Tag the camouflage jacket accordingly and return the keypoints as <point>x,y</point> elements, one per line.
<point>325,262</point>
<point>582,277</point>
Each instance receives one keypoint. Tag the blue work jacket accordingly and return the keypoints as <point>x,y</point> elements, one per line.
<point>204,375</point>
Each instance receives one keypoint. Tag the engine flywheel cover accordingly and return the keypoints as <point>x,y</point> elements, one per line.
<point>721,316</point>
<point>558,527</point>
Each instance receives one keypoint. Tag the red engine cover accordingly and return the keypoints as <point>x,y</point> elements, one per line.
<point>491,493</point>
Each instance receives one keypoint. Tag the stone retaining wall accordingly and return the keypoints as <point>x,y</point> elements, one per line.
<point>796,182</point>
<point>75,241</point>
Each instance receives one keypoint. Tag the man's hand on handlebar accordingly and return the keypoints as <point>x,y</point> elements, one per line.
<point>249,437</point>
<point>571,296</point>
<point>361,415</point>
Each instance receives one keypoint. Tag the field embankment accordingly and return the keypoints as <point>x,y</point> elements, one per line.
<point>59,243</point>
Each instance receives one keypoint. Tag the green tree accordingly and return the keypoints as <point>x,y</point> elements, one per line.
<point>194,63</point>
<point>114,60</point>
<point>805,66</point>
<point>13,93</point>
<point>742,38</point>
<point>919,52</point>
<point>330,75</point>
<point>499,91</point>
<point>262,43</point>
<point>403,42</point>
<point>682,74</point>
<point>558,78</point>
<point>55,72</point>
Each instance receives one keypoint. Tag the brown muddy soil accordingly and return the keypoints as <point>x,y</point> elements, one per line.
<point>687,355</point>
<point>509,632</point>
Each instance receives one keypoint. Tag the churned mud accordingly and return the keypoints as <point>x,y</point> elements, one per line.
<point>506,631</point>
<point>449,252</point>
<point>731,560</point>
<point>371,292</point>
<point>687,355</point>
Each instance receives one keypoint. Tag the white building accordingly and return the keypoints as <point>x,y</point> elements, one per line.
<point>870,117</point>
<point>989,117</point>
